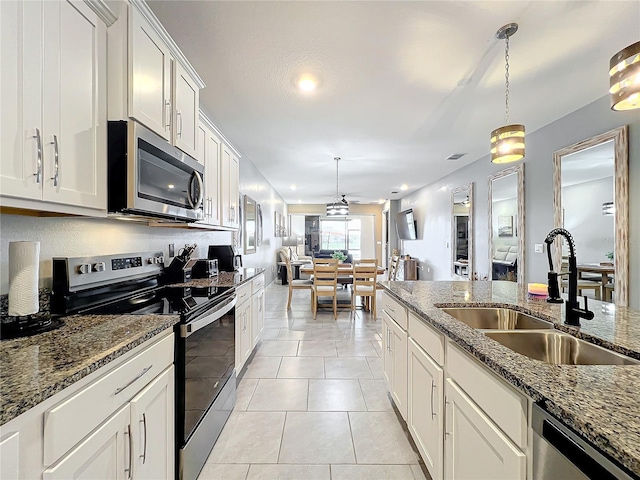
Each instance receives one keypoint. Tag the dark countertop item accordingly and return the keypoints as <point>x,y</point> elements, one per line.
<point>35,368</point>
<point>600,402</point>
<point>224,279</point>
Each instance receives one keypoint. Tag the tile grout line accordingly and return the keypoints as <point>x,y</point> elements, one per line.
<point>353,443</point>
<point>363,396</point>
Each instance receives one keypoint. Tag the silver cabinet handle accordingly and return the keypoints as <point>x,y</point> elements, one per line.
<point>38,173</point>
<point>433,410</point>
<point>179,117</point>
<point>389,308</point>
<point>128,432</point>
<point>167,113</point>
<point>56,161</point>
<point>144,370</point>
<point>447,422</point>
<point>144,450</point>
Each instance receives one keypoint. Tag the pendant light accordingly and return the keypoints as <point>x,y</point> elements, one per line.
<point>507,142</point>
<point>339,207</point>
<point>624,78</point>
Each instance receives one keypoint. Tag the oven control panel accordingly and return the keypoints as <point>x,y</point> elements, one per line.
<point>71,274</point>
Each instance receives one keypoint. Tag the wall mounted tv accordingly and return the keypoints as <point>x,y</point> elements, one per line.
<point>406,225</point>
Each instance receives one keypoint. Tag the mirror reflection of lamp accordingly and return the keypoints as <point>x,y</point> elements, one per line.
<point>291,242</point>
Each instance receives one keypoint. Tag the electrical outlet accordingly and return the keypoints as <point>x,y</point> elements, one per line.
<point>539,247</point>
<point>446,244</point>
<point>172,250</point>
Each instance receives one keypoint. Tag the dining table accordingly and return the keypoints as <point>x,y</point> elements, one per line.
<point>604,270</point>
<point>344,269</point>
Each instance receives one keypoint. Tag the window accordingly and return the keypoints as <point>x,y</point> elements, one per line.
<point>342,235</point>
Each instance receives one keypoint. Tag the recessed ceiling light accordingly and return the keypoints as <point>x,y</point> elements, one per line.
<point>293,187</point>
<point>404,187</point>
<point>307,83</point>
<point>299,201</point>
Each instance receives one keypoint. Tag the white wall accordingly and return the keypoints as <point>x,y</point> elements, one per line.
<point>75,237</point>
<point>433,209</point>
<point>593,232</point>
<point>505,208</point>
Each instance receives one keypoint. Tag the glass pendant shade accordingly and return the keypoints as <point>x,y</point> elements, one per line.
<point>624,78</point>
<point>507,144</point>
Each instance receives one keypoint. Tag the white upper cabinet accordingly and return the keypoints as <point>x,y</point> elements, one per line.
<point>150,80</point>
<point>208,149</point>
<point>150,65</point>
<point>187,103</point>
<point>230,188</point>
<point>54,106</point>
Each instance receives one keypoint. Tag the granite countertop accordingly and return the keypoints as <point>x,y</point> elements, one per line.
<point>35,368</point>
<point>600,402</point>
<point>224,279</point>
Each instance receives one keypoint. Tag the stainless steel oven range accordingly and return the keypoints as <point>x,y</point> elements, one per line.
<point>205,337</point>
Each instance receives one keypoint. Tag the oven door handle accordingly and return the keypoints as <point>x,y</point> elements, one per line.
<point>214,314</point>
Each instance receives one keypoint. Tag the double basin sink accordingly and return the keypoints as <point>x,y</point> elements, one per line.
<point>536,338</point>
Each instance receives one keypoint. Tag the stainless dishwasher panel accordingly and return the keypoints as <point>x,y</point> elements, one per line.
<point>560,454</point>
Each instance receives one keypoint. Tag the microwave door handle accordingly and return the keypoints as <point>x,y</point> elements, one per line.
<point>194,204</point>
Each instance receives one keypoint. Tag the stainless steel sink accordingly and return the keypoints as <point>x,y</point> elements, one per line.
<point>558,348</point>
<point>497,319</point>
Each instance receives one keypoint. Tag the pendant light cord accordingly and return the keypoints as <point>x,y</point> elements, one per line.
<point>506,82</point>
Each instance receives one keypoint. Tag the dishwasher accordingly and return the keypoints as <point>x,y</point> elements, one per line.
<point>560,454</point>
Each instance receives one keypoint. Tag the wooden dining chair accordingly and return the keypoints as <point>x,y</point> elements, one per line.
<point>325,283</point>
<point>364,285</point>
<point>296,284</point>
<point>393,268</point>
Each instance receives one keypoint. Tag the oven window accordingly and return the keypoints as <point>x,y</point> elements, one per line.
<point>161,180</point>
<point>210,360</point>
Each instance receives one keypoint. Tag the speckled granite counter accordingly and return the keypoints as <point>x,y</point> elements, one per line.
<point>35,368</point>
<point>224,279</point>
<point>601,402</point>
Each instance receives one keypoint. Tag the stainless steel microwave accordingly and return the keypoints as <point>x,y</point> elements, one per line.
<point>148,176</point>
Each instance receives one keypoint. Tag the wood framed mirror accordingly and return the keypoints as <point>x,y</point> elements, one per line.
<point>506,225</point>
<point>249,225</point>
<point>591,200</point>
<point>462,232</point>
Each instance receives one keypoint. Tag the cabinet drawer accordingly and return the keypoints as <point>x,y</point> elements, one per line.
<point>71,420</point>
<point>396,311</point>
<point>243,292</point>
<point>427,338</point>
<point>257,284</point>
<point>506,407</point>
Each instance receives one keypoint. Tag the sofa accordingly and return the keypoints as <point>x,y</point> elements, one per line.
<point>328,253</point>
<point>505,261</point>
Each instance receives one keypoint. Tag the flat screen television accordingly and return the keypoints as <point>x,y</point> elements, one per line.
<point>406,225</point>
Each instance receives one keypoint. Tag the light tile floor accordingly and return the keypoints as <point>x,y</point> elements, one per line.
<point>312,403</point>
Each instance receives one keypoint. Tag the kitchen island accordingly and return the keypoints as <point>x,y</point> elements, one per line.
<point>600,402</point>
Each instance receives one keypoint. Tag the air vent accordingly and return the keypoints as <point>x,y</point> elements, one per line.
<point>354,201</point>
<point>455,156</point>
<point>394,192</point>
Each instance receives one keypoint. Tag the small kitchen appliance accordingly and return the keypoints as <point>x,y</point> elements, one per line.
<point>229,260</point>
<point>205,268</point>
<point>130,284</point>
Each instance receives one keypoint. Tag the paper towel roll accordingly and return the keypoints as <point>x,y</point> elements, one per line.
<point>24,262</point>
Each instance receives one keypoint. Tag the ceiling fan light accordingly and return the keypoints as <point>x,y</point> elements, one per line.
<point>507,144</point>
<point>624,78</point>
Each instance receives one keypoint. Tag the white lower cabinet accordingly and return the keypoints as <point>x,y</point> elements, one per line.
<point>244,346</point>
<point>395,362</point>
<point>152,429</point>
<point>425,408</point>
<point>257,316</point>
<point>475,449</point>
<point>9,455</point>
<point>106,453</point>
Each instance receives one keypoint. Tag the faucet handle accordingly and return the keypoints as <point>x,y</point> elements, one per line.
<point>588,315</point>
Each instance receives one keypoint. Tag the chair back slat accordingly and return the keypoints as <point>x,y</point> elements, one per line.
<point>325,274</point>
<point>365,276</point>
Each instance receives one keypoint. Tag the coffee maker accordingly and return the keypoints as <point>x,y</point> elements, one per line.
<point>229,260</point>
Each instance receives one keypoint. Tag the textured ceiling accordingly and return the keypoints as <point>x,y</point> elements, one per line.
<point>402,84</point>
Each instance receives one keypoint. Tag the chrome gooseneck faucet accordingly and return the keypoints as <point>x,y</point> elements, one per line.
<point>573,311</point>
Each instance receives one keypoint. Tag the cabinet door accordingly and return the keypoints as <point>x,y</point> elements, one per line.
<point>106,453</point>
<point>225,187</point>
<point>243,334</point>
<point>201,141</point>
<point>9,456</point>
<point>400,356</point>
<point>150,85</point>
<point>387,357</point>
<point>425,411</point>
<point>234,190</point>
<point>474,447</point>
<point>21,99</point>
<point>212,173</point>
<point>187,101</point>
<point>152,431</point>
<point>75,105</point>
<point>257,317</point>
